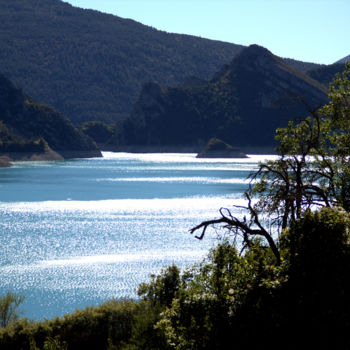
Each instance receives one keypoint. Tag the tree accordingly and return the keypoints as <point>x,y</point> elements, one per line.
<point>290,287</point>
<point>9,305</point>
<point>313,170</point>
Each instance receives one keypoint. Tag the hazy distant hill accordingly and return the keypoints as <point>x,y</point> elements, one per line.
<point>90,65</point>
<point>343,60</point>
<point>242,104</point>
<point>27,127</point>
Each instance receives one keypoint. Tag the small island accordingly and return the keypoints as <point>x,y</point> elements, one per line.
<point>216,148</point>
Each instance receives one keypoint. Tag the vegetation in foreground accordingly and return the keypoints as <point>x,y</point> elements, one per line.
<point>286,287</point>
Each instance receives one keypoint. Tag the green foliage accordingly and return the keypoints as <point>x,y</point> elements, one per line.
<point>209,295</point>
<point>250,301</point>
<point>162,288</point>
<point>123,324</point>
<point>313,169</point>
<point>315,299</point>
<point>49,344</point>
<point>9,305</point>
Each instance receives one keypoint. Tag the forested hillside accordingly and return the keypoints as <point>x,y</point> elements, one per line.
<point>90,65</point>
<point>242,104</point>
<point>28,127</point>
<point>325,74</point>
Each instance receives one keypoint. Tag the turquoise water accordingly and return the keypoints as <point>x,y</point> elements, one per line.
<point>76,233</point>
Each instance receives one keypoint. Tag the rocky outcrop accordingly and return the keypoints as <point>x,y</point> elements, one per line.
<point>5,162</point>
<point>216,148</point>
<point>31,131</point>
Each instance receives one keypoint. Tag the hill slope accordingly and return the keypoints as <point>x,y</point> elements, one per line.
<point>325,74</point>
<point>344,59</point>
<point>242,104</point>
<point>90,65</point>
<point>27,128</point>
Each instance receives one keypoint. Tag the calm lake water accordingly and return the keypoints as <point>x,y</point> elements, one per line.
<point>76,233</point>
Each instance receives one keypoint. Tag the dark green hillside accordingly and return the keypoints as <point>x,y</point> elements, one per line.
<point>100,132</point>
<point>325,74</point>
<point>90,65</point>
<point>303,66</point>
<point>27,127</point>
<point>243,105</point>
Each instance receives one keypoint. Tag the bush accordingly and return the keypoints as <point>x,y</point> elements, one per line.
<point>9,305</point>
<point>123,324</point>
<point>252,302</point>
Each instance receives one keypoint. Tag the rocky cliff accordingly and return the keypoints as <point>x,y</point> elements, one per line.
<point>216,148</point>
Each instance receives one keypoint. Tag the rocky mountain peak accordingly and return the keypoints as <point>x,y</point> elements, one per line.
<point>263,78</point>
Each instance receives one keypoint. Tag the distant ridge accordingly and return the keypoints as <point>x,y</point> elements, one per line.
<point>325,73</point>
<point>242,104</point>
<point>344,60</point>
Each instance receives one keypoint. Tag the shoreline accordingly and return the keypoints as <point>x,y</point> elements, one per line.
<point>269,150</point>
<point>6,159</point>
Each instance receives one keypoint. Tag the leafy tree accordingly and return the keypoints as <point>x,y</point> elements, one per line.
<point>9,305</point>
<point>201,313</point>
<point>312,171</point>
<point>50,344</point>
<point>162,289</point>
<point>313,303</point>
<point>298,229</point>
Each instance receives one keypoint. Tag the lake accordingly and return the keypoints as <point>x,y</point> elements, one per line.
<point>79,232</point>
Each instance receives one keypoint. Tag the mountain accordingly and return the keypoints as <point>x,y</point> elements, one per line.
<point>30,130</point>
<point>325,73</point>
<point>90,65</point>
<point>303,66</point>
<point>344,60</point>
<point>242,104</point>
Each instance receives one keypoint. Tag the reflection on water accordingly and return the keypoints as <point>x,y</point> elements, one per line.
<point>75,233</point>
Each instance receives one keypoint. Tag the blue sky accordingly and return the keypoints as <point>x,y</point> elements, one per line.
<point>309,30</point>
